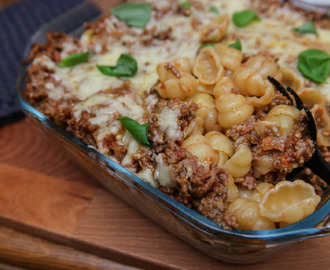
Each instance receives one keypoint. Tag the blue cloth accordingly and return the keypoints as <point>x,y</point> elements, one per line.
<point>18,22</point>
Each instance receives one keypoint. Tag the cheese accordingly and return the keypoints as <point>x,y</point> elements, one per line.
<point>147,176</point>
<point>163,173</point>
<point>45,61</point>
<point>168,123</point>
<point>105,109</point>
<point>132,148</point>
<point>68,48</point>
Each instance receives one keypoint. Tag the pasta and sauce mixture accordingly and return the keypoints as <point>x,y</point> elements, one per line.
<point>177,93</point>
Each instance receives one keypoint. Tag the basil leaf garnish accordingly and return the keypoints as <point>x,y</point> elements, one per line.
<point>74,59</point>
<point>206,45</point>
<point>306,28</point>
<point>133,13</point>
<point>138,131</point>
<point>126,67</point>
<point>214,9</point>
<point>245,17</point>
<point>186,4</point>
<point>315,65</point>
<point>237,45</point>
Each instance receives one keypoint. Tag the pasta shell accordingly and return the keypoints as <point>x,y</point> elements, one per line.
<point>232,110</point>
<point>216,29</point>
<point>240,163</point>
<point>207,66</point>
<point>289,202</point>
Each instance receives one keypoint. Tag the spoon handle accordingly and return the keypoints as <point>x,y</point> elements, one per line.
<point>319,166</point>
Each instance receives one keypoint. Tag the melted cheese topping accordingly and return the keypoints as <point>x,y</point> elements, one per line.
<point>147,176</point>
<point>163,173</point>
<point>271,35</point>
<point>85,79</point>
<point>133,147</point>
<point>105,109</point>
<point>168,123</point>
<point>45,61</point>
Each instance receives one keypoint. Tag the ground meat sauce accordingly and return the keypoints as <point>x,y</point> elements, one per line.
<point>200,189</point>
<point>249,181</point>
<point>39,74</point>
<point>52,48</point>
<point>82,128</point>
<point>288,152</point>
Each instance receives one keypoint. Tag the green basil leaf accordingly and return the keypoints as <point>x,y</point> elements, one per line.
<point>306,28</point>
<point>237,45</point>
<point>206,45</point>
<point>74,59</point>
<point>126,67</point>
<point>186,4</point>
<point>245,17</point>
<point>138,131</point>
<point>314,65</point>
<point>214,9</point>
<point>133,13</point>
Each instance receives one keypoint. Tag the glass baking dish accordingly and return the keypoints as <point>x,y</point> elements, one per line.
<point>237,246</point>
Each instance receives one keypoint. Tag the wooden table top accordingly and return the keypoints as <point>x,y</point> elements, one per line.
<point>53,216</point>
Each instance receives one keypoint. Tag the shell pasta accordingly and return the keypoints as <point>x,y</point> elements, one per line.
<point>216,29</point>
<point>243,126</point>
<point>175,81</point>
<point>230,58</point>
<point>207,66</point>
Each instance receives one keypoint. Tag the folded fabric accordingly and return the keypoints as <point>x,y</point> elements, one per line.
<point>18,23</point>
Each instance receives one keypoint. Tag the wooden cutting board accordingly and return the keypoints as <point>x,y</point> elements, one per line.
<point>53,216</point>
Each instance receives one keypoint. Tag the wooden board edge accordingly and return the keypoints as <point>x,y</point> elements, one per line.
<point>112,254</point>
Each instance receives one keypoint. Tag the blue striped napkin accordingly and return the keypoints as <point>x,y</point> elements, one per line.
<point>18,22</point>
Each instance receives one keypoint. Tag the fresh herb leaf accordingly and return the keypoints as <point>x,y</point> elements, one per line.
<point>126,67</point>
<point>138,131</point>
<point>237,45</point>
<point>306,28</point>
<point>245,17</point>
<point>133,13</point>
<point>186,4</point>
<point>74,59</point>
<point>206,45</point>
<point>214,9</point>
<point>314,65</point>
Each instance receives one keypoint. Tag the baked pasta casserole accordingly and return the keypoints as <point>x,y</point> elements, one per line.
<point>177,92</point>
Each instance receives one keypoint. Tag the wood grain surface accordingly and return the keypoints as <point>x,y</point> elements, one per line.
<point>53,216</point>
<point>35,253</point>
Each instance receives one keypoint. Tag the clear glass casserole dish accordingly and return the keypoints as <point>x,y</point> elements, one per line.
<point>237,246</point>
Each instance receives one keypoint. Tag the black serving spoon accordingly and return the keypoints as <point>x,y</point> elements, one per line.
<point>317,163</point>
